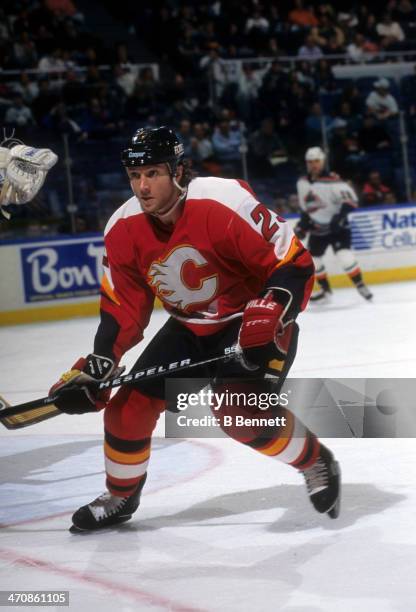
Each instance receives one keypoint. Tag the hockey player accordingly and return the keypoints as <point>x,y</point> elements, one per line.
<point>325,201</point>
<point>226,269</point>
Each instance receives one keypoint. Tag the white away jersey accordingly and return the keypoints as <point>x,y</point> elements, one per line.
<point>323,198</point>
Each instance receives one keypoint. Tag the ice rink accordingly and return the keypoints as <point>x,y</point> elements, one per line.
<point>220,527</point>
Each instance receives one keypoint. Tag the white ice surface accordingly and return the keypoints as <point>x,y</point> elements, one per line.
<point>220,527</point>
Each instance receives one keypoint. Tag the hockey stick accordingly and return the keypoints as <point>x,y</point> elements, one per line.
<point>24,419</point>
<point>45,408</point>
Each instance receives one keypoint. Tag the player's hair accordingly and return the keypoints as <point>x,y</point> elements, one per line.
<point>188,174</point>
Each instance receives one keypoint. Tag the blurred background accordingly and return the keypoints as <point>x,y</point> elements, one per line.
<point>248,86</point>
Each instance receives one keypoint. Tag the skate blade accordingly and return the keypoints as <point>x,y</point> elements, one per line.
<point>79,530</point>
<point>366,296</point>
<point>333,513</point>
<point>320,298</point>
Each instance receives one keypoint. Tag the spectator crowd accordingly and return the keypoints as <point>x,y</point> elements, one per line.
<point>219,76</point>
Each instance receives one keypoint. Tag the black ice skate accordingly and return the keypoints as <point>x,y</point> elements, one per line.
<point>364,291</point>
<point>321,295</point>
<point>322,291</point>
<point>105,511</point>
<point>323,481</point>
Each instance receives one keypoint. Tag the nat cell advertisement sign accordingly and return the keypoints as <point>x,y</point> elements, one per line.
<point>59,270</point>
<point>384,230</point>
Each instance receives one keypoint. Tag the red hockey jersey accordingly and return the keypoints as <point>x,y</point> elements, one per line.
<point>219,255</point>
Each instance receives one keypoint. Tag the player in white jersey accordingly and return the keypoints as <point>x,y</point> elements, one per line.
<point>325,201</point>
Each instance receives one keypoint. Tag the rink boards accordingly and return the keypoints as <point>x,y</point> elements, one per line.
<point>59,277</point>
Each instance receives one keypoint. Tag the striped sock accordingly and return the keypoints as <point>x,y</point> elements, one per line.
<point>126,463</point>
<point>293,444</point>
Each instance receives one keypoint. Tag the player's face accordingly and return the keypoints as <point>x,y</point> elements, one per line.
<point>314,166</point>
<point>153,187</point>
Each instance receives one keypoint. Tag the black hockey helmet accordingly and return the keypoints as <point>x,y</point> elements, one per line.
<point>154,146</point>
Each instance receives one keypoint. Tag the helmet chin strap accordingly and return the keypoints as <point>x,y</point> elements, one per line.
<point>167,211</point>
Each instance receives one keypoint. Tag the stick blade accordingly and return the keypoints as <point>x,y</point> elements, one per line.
<point>30,417</point>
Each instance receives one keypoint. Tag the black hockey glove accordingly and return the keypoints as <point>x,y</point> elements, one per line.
<point>338,223</point>
<point>77,391</point>
<point>299,231</point>
<point>303,226</point>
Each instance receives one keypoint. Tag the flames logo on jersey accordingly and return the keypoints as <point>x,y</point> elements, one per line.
<point>167,277</point>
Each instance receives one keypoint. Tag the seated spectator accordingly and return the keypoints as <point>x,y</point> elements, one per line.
<point>202,151</point>
<point>4,28</point>
<point>256,29</point>
<point>273,48</point>
<point>310,50</point>
<point>232,36</point>
<point>58,119</point>
<point>125,77</point>
<point>97,120</point>
<point>24,52</point>
<point>301,16</point>
<point>28,89</point>
<point>361,49</point>
<point>348,20</point>
<point>266,150</point>
<point>380,103</point>
<point>18,114</point>
<point>146,80</point>
<point>52,62</point>
<point>213,65</point>
<point>275,83</point>
<point>375,192</point>
<point>226,143</point>
<point>90,58</point>
<point>389,31</point>
<point>175,113</point>
<point>201,142</point>
<point>325,8</point>
<point>185,135</point>
<point>249,83</point>
<point>324,78</point>
<point>345,112</point>
<point>352,95</point>
<point>369,28</point>
<point>328,35</point>
<point>188,49</point>
<point>404,11</point>
<point>291,113</point>
<point>373,137</point>
<point>205,32</point>
<point>304,74</point>
<point>67,60</point>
